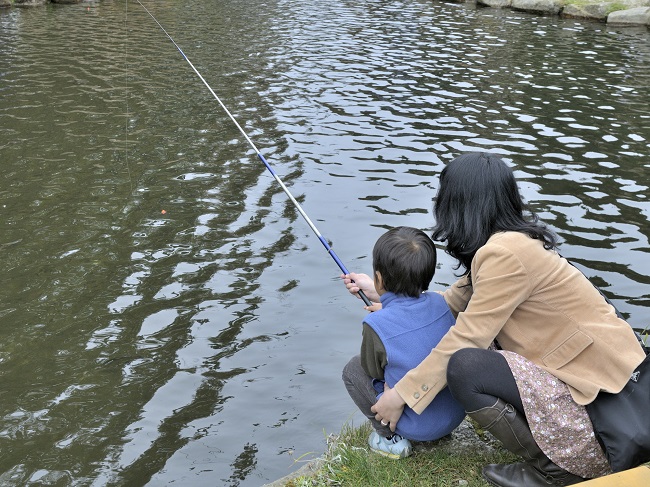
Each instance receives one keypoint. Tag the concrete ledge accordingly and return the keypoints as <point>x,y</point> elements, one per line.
<point>595,11</point>
<point>495,3</point>
<point>542,7</point>
<point>306,470</point>
<point>631,16</point>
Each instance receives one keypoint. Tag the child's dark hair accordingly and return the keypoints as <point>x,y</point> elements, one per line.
<point>406,260</point>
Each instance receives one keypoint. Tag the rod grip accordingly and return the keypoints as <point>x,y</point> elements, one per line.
<point>343,268</point>
<point>364,298</point>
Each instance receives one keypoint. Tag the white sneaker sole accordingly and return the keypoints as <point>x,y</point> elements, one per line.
<point>394,456</point>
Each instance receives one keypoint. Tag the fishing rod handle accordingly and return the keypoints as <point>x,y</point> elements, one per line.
<point>338,261</point>
<point>364,298</point>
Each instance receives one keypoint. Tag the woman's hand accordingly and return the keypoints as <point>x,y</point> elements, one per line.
<point>355,282</point>
<point>389,408</point>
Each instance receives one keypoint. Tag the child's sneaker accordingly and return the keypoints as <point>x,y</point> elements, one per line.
<point>392,447</point>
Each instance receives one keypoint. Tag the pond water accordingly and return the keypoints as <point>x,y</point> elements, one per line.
<point>166,316</point>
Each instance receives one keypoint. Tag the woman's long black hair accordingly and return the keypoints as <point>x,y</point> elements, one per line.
<point>477,197</point>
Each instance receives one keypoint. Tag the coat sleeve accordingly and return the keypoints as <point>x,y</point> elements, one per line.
<point>458,295</point>
<point>500,284</point>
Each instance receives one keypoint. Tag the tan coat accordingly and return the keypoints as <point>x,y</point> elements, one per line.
<point>538,305</point>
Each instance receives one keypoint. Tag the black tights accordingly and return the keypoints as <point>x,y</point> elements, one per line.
<point>477,378</point>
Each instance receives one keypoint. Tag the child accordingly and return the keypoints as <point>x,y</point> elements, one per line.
<point>397,337</point>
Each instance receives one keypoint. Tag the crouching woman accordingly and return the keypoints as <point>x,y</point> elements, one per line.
<point>534,340</point>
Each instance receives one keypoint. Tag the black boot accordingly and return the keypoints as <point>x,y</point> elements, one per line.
<point>511,428</point>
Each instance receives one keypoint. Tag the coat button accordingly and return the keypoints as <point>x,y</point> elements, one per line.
<point>425,387</point>
<point>416,395</point>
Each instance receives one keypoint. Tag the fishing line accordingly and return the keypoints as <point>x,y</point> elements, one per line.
<point>262,158</point>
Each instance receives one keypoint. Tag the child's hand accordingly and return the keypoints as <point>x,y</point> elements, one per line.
<point>355,282</point>
<point>374,307</point>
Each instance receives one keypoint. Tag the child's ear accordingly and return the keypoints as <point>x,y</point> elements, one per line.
<point>379,282</point>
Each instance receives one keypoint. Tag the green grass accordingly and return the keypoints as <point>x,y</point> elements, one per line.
<point>349,462</point>
<point>611,6</point>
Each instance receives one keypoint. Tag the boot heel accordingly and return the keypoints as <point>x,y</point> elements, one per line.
<point>505,423</point>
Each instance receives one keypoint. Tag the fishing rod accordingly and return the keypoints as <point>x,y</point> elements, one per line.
<point>263,159</point>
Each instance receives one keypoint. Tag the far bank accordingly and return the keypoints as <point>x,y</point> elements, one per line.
<point>619,12</point>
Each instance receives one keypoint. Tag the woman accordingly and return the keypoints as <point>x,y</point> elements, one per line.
<point>534,340</point>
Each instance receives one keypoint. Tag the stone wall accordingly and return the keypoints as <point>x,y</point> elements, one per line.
<point>33,3</point>
<point>618,12</point>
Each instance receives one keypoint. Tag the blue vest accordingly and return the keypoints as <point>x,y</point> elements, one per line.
<point>409,329</point>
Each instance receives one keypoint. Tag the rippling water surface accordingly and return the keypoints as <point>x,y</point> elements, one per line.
<point>166,316</point>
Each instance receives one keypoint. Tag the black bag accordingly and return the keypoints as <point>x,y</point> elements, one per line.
<point>622,421</point>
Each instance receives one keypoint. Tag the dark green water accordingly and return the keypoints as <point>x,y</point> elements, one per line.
<point>166,316</point>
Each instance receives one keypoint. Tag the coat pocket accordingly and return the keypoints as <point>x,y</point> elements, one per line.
<point>567,350</point>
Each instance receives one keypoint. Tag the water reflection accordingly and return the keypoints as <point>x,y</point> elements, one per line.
<point>167,316</point>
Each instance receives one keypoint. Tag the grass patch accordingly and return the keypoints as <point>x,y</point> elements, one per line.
<point>350,463</point>
<point>614,6</point>
<point>579,3</point>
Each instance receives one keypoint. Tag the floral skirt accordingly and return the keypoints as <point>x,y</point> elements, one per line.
<point>560,426</point>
